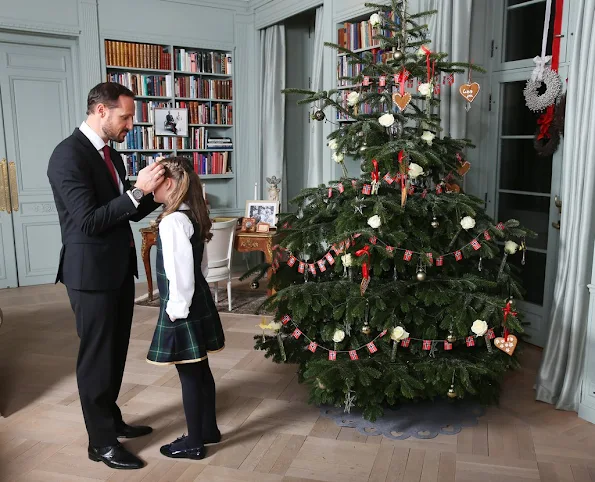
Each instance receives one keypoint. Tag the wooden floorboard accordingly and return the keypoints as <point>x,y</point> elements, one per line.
<point>270,433</point>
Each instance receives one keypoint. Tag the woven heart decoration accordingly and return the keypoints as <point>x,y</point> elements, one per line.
<point>469,91</point>
<point>402,101</point>
<point>508,345</point>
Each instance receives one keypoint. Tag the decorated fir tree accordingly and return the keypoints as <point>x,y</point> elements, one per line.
<point>395,285</point>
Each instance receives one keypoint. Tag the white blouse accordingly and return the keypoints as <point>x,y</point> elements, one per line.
<point>175,231</point>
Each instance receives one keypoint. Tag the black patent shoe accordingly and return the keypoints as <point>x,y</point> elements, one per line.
<point>115,457</point>
<point>179,449</point>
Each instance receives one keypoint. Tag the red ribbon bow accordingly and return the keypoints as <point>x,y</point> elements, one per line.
<point>544,121</point>
<point>507,311</point>
<point>375,173</point>
<point>403,76</point>
<point>428,52</point>
<point>364,251</point>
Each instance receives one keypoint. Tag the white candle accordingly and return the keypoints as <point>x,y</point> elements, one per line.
<point>255,190</point>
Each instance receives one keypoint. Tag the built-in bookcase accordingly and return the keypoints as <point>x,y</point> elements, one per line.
<point>172,76</point>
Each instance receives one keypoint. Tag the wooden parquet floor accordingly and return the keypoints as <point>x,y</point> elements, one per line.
<point>270,432</point>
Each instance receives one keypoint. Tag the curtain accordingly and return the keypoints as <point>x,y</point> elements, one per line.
<point>560,373</point>
<point>450,32</point>
<point>315,152</point>
<point>272,112</point>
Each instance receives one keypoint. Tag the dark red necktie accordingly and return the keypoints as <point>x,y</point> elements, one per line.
<point>112,170</point>
<point>110,165</point>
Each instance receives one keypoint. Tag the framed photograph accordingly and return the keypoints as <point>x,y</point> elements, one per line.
<point>262,228</point>
<point>263,211</point>
<point>171,122</point>
<point>248,225</point>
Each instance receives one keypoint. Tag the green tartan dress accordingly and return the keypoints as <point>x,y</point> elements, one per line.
<point>186,340</point>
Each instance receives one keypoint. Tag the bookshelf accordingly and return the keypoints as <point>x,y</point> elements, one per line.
<point>174,76</point>
<point>357,34</point>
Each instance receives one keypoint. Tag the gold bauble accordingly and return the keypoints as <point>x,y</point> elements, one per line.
<point>451,392</point>
<point>421,275</point>
<point>451,338</point>
<point>366,329</point>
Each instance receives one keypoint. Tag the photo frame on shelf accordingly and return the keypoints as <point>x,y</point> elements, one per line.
<point>171,121</point>
<point>263,211</point>
<point>263,228</point>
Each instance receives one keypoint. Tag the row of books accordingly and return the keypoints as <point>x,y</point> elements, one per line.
<point>143,137</point>
<point>136,55</point>
<point>198,138</point>
<point>144,110</point>
<point>212,163</point>
<point>359,35</point>
<point>203,62</point>
<point>136,161</point>
<point>200,88</point>
<point>209,113</point>
<point>141,84</point>
<point>347,69</point>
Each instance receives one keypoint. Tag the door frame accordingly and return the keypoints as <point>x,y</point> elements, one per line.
<point>537,315</point>
<point>32,39</point>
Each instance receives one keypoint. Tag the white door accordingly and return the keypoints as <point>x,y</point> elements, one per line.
<point>523,185</point>
<point>38,111</point>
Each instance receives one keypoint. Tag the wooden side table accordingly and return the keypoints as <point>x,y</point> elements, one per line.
<point>247,242</point>
<point>149,236</point>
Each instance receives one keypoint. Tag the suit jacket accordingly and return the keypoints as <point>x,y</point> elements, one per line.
<point>94,216</point>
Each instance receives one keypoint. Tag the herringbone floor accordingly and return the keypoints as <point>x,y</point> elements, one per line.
<point>270,432</point>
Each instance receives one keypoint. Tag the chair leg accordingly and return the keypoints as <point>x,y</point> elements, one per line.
<point>229,294</point>
<point>216,292</point>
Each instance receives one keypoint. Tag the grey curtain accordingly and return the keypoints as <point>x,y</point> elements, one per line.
<point>272,111</point>
<point>317,144</point>
<point>450,32</point>
<point>559,376</point>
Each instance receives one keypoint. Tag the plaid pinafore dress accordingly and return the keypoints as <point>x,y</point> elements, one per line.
<point>186,340</point>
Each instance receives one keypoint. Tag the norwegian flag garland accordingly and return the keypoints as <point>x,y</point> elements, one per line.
<point>427,345</point>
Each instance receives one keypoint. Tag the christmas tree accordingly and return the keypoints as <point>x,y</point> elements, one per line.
<point>395,285</point>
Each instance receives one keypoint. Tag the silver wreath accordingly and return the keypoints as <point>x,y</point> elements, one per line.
<point>553,87</point>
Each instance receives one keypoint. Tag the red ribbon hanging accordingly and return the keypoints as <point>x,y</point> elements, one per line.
<point>403,174</point>
<point>427,51</point>
<point>364,251</point>
<point>375,173</point>
<point>403,76</point>
<point>545,120</point>
<point>507,310</point>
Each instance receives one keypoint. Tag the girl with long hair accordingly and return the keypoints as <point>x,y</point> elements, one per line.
<point>188,326</point>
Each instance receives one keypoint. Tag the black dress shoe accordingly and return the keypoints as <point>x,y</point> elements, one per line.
<point>132,431</point>
<point>116,457</point>
<point>179,449</point>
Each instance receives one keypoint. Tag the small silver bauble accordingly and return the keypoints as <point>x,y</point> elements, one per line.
<point>435,223</point>
<point>366,329</point>
<point>254,285</point>
<point>451,338</point>
<point>451,392</point>
<point>421,275</point>
<point>398,54</point>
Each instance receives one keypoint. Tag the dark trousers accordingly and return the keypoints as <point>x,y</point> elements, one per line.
<point>198,396</point>
<point>103,322</point>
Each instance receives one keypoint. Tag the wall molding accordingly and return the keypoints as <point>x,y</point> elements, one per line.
<point>274,12</point>
<point>89,65</point>
<point>243,5</point>
<point>7,23</point>
<point>150,37</point>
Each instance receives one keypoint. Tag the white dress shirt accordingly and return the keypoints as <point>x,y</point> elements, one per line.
<point>98,143</point>
<point>175,231</point>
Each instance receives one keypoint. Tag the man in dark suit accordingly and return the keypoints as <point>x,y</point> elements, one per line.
<point>95,203</point>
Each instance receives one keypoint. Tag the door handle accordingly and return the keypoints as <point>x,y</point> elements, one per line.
<point>4,189</point>
<point>14,188</point>
<point>556,225</point>
<point>558,203</point>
